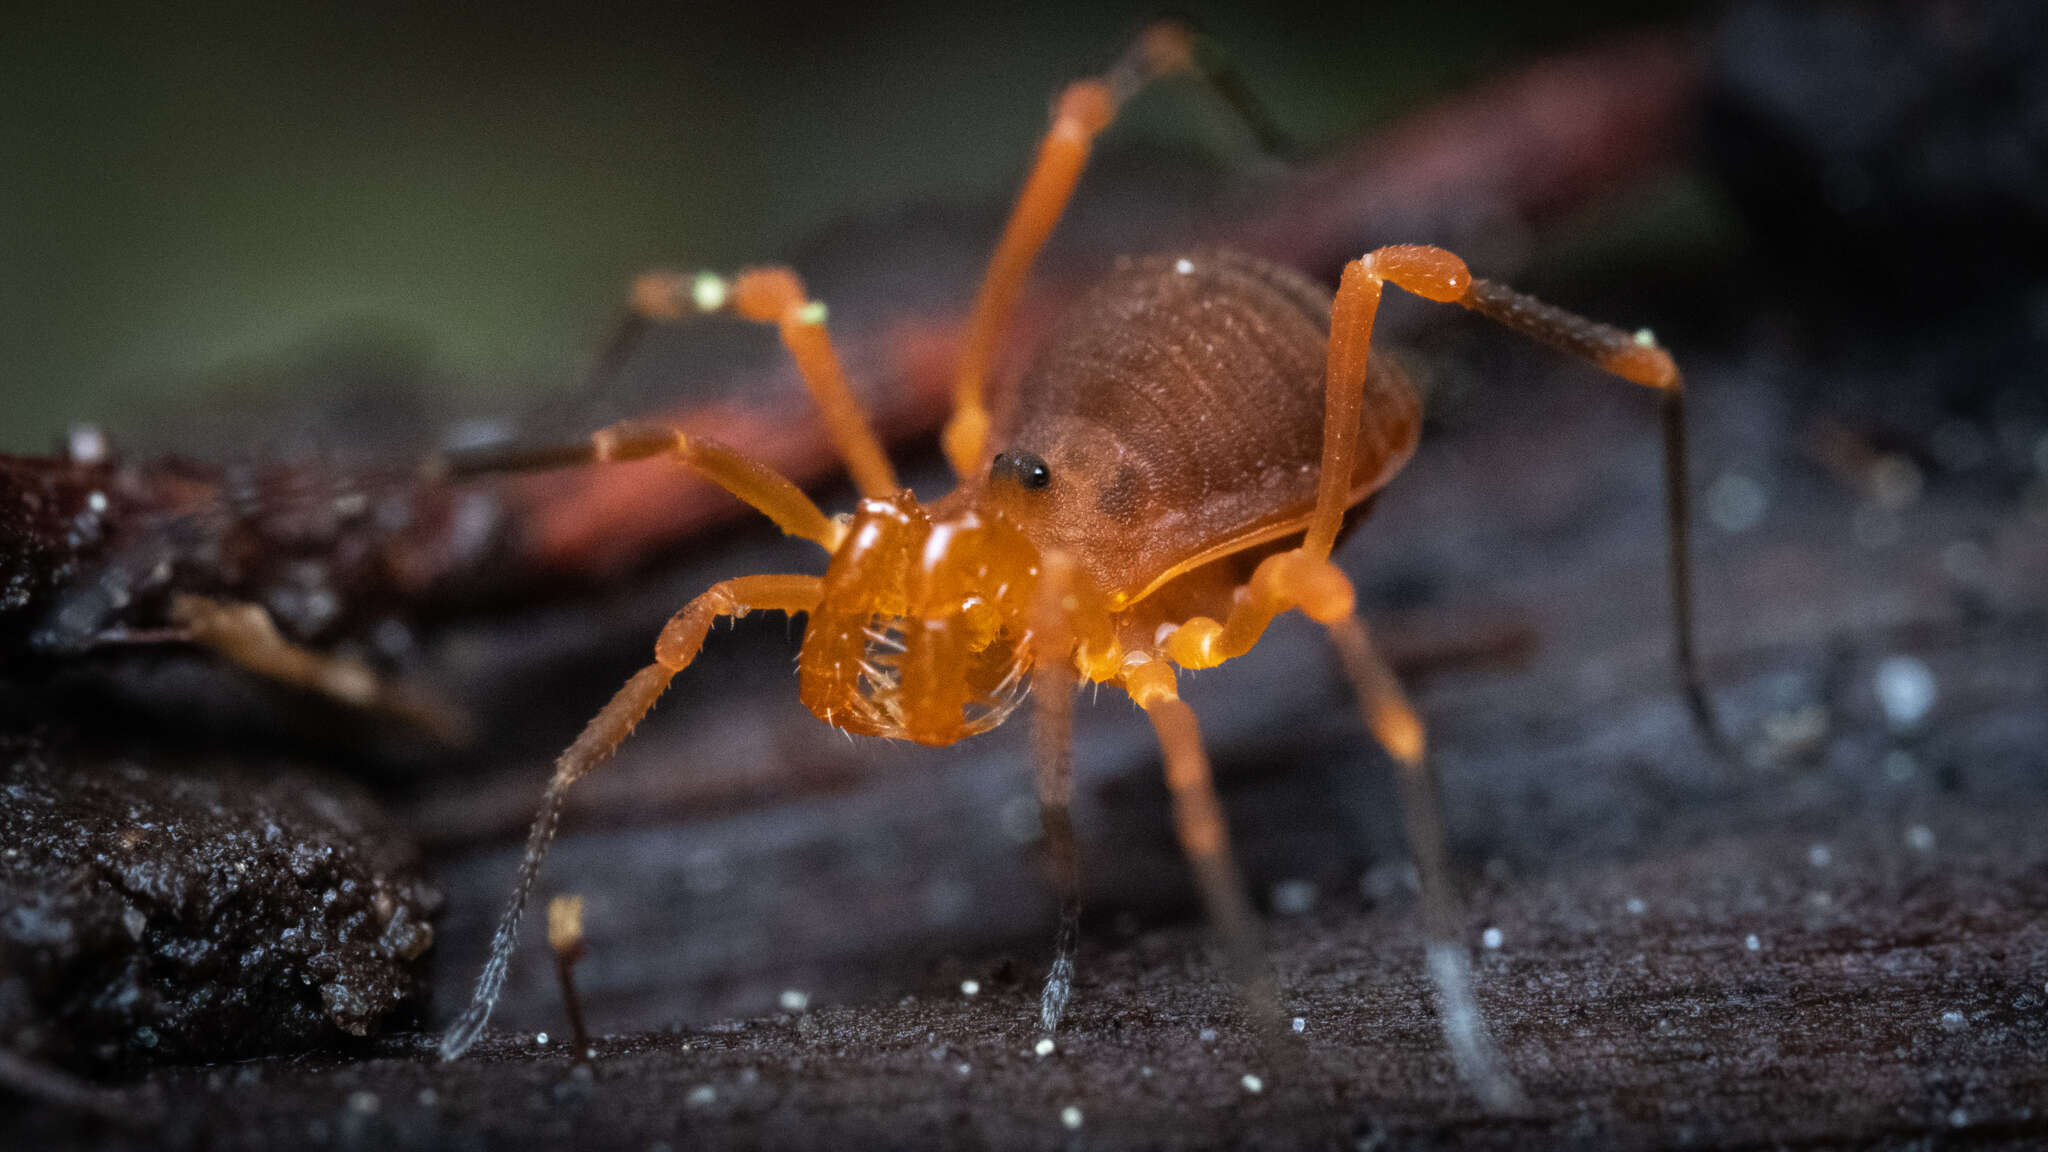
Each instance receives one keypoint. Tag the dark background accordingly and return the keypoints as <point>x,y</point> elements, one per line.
<point>204,204</point>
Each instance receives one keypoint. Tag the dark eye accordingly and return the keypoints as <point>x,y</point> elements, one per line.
<point>1022,469</point>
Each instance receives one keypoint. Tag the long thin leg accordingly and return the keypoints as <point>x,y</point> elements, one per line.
<point>1052,748</point>
<point>773,295</point>
<point>1435,274</point>
<point>1204,838</point>
<point>759,485</point>
<point>1082,111</point>
<point>1399,730</point>
<point>680,641</point>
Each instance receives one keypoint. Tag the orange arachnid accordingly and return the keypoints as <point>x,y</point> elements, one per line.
<point>1178,464</point>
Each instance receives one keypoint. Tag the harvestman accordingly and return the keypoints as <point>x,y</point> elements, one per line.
<point>1182,458</point>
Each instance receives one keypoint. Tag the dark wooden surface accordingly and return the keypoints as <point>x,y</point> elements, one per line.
<point>1893,877</point>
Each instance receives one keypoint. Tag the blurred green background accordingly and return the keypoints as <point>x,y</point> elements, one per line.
<point>196,201</point>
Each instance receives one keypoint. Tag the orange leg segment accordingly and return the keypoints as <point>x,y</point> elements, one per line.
<point>776,296</point>
<point>1080,114</point>
<point>1205,839</point>
<point>760,486</point>
<point>1291,579</point>
<point>1399,730</point>
<point>680,642</point>
<point>1435,274</point>
<point>1052,748</point>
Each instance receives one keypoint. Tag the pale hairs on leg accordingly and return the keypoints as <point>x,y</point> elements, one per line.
<point>603,734</point>
<point>491,982</point>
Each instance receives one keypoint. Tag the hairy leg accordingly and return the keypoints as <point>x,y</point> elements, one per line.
<point>760,486</point>
<point>1052,747</point>
<point>680,642</point>
<point>775,295</point>
<point>1399,730</point>
<point>1082,112</point>
<point>1205,840</point>
<point>1435,274</point>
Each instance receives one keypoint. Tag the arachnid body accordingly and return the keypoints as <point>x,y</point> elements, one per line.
<point>1176,469</point>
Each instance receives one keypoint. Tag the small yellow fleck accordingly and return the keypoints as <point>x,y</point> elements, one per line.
<point>565,923</point>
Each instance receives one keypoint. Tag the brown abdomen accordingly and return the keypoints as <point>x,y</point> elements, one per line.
<point>1180,407</point>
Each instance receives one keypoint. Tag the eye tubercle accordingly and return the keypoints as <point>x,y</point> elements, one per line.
<point>1024,469</point>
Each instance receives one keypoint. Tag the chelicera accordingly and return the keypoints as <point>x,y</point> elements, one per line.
<point>1177,467</point>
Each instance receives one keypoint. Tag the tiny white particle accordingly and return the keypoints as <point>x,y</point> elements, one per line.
<point>1635,906</point>
<point>1952,1021</point>
<point>1044,1047</point>
<point>428,1097</point>
<point>97,501</point>
<point>1253,1084</point>
<point>701,1096</point>
<point>540,1038</point>
<point>1145,1070</point>
<point>1920,838</point>
<point>794,1000</point>
<point>812,313</point>
<point>363,1102</point>
<point>1208,1035</point>
<point>963,1068</point>
<point>709,292</point>
<point>1300,1024</point>
<point>1819,856</point>
<point>88,445</point>
<point>1070,1116</point>
<point>1905,690</point>
<point>1645,338</point>
<point>590,1053</point>
<point>1491,939</point>
<point>1183,266</point>
<point>970,987</point>
<point>1959,1119</point>
<point>1752,943</point>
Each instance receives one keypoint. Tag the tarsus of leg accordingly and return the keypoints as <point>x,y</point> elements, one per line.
<point>1435,274</point>
<point>763,488</point>
<point>1399,730</point>
<point>1205,839</point>
<point>773,295</point>
<point>1052,751</point>
<point>680,641</point>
